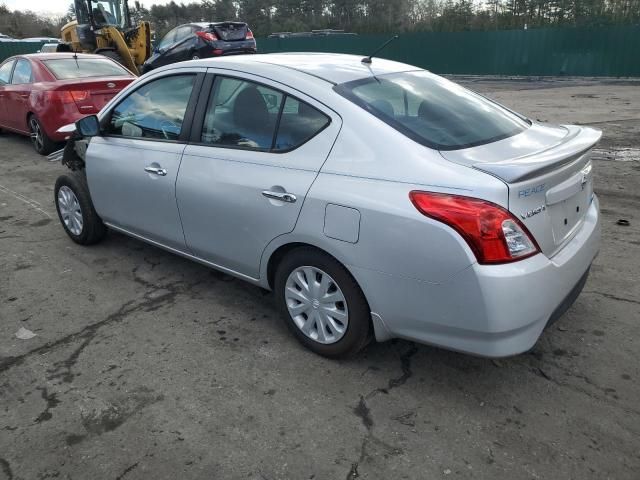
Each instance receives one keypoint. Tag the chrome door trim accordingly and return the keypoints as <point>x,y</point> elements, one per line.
<point>281,196</point>
<point>157,170</point>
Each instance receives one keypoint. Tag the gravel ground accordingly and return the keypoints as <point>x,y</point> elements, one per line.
<point>146,365</point>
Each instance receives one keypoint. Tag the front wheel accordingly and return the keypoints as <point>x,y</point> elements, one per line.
<point>75,210</point>
<point>322,304</point>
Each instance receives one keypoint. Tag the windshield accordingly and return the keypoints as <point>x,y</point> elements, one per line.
<point>110,12</point>
<point>432,110</point>
<point>66,68</point>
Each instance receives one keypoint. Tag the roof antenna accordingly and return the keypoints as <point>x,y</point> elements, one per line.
<point>367,60</point>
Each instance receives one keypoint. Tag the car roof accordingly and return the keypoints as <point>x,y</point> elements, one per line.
<point>334,68</point>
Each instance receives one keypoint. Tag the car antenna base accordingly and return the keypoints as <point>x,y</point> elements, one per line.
<point>367,60</point>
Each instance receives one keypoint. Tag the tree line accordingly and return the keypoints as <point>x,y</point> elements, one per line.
<point>396,16</point>
<point>360,16</point>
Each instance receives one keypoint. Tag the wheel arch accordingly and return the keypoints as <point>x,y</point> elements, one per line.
<point>275,252</point>
<point>274,255</point>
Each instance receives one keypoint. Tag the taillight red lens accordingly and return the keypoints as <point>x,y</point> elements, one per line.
<point>80,95</point>
<point>61,96</point>
<point>493,233</point>
<point>207,36</point>
<point>249,35</point>
<point>68,96</point>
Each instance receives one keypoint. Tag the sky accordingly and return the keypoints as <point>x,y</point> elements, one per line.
<point>57,7</point>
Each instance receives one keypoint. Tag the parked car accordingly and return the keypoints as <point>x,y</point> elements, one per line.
<point>41,92</point>
<point>202,40</point>
<point>41,39</point>
<point>49,48</point>
<point>373,199</point>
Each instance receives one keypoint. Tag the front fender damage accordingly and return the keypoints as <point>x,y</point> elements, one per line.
<point>73,153</point>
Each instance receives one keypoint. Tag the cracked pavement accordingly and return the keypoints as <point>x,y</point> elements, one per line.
<point>146,365</point>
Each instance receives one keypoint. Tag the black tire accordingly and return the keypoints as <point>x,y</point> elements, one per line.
<point>93,230</point>
<point>358,331</point>
<point>39,139</point>
<point>113,55</point>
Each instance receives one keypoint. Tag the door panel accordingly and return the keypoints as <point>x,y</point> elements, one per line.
<point>17,96</point>
<point>130,197</point>
<point>229,196</point>
<point>226,218</point>
<point>132,170</point>
<point>5,78</point>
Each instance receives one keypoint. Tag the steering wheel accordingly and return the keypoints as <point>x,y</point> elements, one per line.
<point>168,127</point>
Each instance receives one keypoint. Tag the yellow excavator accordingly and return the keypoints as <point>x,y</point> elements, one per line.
<point>104,27</point>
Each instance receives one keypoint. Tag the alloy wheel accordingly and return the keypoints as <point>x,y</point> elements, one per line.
<point>36,134</point>
<point>316,304</point>
<point>70,210</point>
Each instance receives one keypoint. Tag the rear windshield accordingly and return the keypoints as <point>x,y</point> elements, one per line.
<point>66,68</point>
<point>433,111</point>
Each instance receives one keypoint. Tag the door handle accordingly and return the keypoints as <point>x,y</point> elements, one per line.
<point>157,170</point>
<point>282,196</point>
<point>24,95</point>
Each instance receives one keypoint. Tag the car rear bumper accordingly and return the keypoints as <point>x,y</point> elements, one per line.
<point>486,310</point>
<point>236,51</point>
<point>57,116</point>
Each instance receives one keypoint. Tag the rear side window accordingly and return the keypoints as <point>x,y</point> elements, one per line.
<point>299,123</point>
<point>248,115</point>
<point>241,114</point>
<point>5,72</point>
<point>22,72</point>
<point>433,111</point>
<point>67,68</point>
<point>183,32</point>
<point>168,39</point>
<point>154,111</point>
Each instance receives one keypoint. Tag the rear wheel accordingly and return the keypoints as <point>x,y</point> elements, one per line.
<point>75,210</point>
<point>41,142</point>
<point>322,304</point>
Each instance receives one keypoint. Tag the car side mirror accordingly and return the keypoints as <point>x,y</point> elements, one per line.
<point>88,126</point>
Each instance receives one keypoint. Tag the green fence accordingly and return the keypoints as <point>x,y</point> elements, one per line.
<point>612,52</point>
<point>8,49</point>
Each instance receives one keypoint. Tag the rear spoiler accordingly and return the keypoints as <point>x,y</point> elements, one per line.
<point>224,24</point>
<point>578,142</point>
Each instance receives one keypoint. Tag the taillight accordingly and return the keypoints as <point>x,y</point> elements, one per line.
<point>249,35</point>
<point>61,96</point>
<point>80,95</point>
<point>494,234</point>
<point>207,36</point>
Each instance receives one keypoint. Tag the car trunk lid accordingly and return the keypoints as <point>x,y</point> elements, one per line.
<point>230,31</point>
<point>91,95</point>
<point>549,175</point>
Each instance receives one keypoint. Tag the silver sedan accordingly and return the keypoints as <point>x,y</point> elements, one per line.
<point>376,200</point>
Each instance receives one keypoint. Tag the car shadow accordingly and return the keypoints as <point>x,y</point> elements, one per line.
<point>409,357</point>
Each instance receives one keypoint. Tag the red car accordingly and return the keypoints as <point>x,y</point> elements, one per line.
<point>41,92</point>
